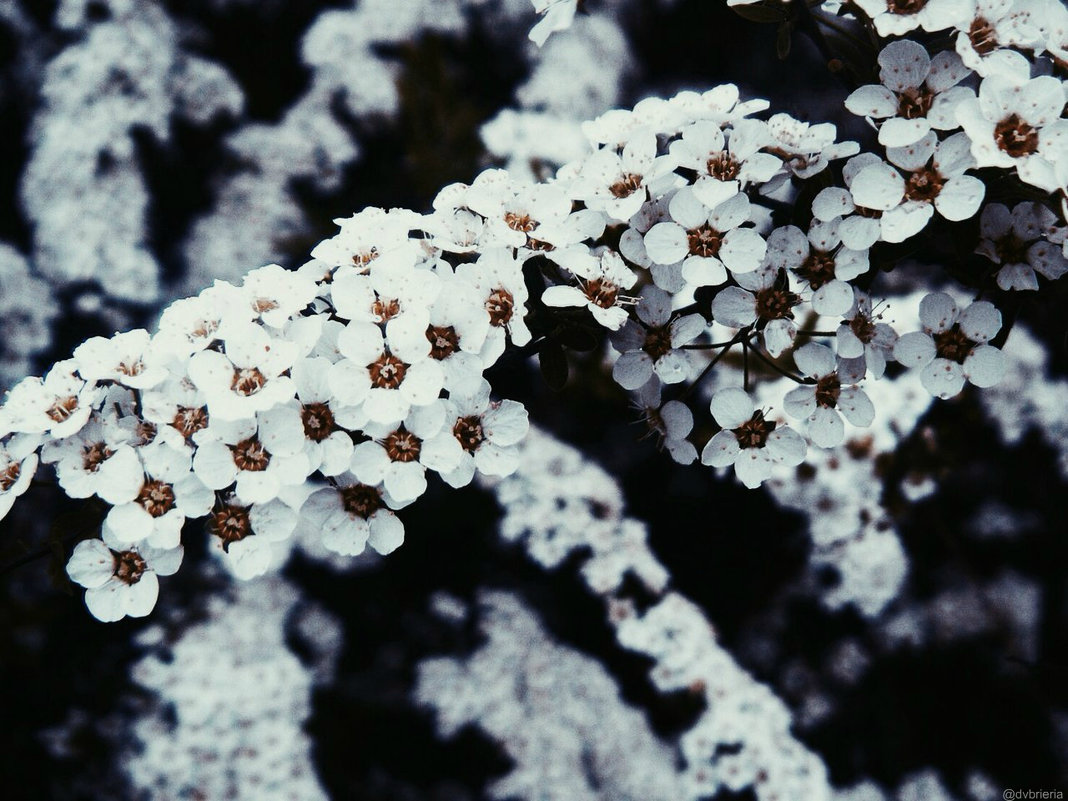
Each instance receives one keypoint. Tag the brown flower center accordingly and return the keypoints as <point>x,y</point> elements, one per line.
<point>914,102</point>
<point>444,341</point>
<point>828,389</point>
<point>520,222</point>
<point>361,500</point>
<point>63,408</point>
<point>261,305</point>
<point>230,523</point>
<point>129,567</point>
<point>95,455</point>
<point>468,431</point>
<point>145,431</point>
<point>905,6</point>
<point>136,368</point>
<point>250,455</point>
<point>1011,249</point>
<point>657,342</point>
<point>387,372</point>
<point>10,475</point>
<point>385,310</point>
<point>402,446</point>
<point>817,268</point>
<point>318,421</point>
<point>1016,137</point>
<point>871,214</point>
<point>204,329</point>
<point>538,244</point>
<point>626,186</point>
<point>982,36</point>
<point>776,304</point>
<point>952,344</point>
<point>601,292</point>
<point>753,433</point>
<point>704,241</point>
<point>364,258</point>
<point>863,327</point>
<point>190,420</point>
<point>156,497</point>
<point>500,304</point>
<point>723,166</point>
<point>248,381</point>
<point>924,185</point>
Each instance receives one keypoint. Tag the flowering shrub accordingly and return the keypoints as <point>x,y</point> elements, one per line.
<point>710,247</point>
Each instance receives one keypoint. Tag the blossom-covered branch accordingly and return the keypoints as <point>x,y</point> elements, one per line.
<point>711,247</point>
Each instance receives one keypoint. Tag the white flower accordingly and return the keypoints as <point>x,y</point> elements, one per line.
<point>861,226</point>
<point>350,515</point>
<point>916,93</point>
<point>398,455</point>
<point>898,17</point>
<point>655,343</point>
<point>1020,242</point>
<point>18,463</point>
<point>457,330</point>
<point>371,235</point>
<point>389,373</point>
<point>556,15</point>
<point>821,261</point>
<point>725,163</point>
<point>515,211</point>
<point>672,422</point>
<point>457,230</point>
<point>178,404</point>
<point>862,336</point>
<point>808,148</point>
<point>127,359</point>
<point>382,294</point>
<point>96,461</point>
<point>326,445</point>
<point>953,345</point>
<point>616,184</point>
<point>488,432</point>
<point>167,493</point>
<point>498,278</point>
<point>764,300</point>
<point>1016,123</point>
<point>749,441</point>
<point>192,324</point>
<point>276,294</point>
<point>935,180</point>
<point>599,290</point>
<point>120,580</point>
<point>261,458</point>
<point>822,401</point>
<point>248,376</point>
<point>992,25</point>
<point>247,539</point>
<point>58,404</point>
<point>708,242</point>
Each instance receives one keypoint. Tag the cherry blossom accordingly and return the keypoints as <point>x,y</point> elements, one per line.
<point>120,580</point>
<point>953,346</point>
<point>917,93</point>
<point>748,440</point>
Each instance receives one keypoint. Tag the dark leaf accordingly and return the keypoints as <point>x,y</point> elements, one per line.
<point>577,337</point>
<point>784,39</point>
<point>553,363</point>
<point>764,11</point>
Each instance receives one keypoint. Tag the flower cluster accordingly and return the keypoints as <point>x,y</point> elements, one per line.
<point>693,235</point>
